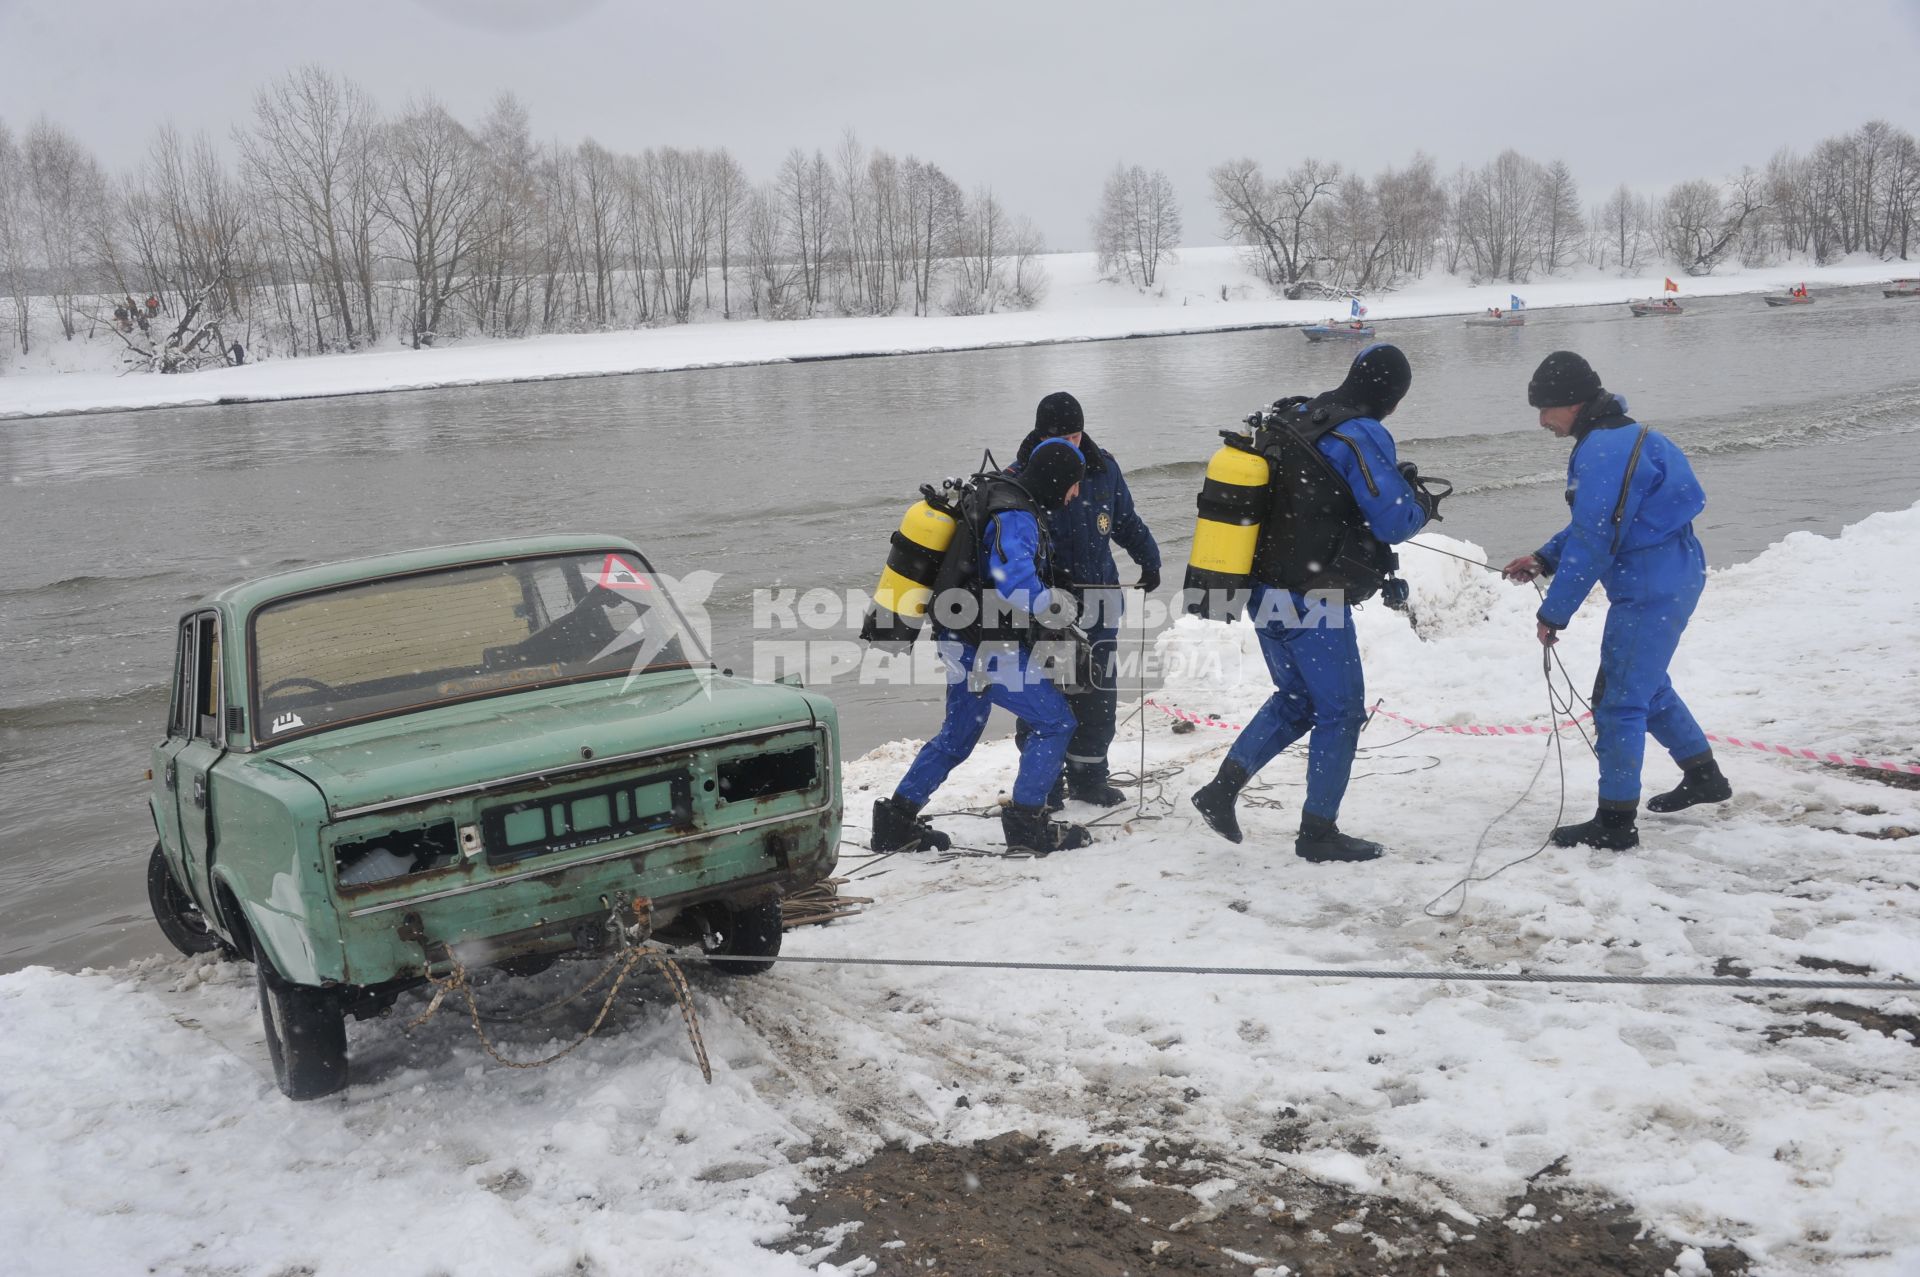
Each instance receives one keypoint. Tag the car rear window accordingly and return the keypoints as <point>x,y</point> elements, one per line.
<point>404,643</point>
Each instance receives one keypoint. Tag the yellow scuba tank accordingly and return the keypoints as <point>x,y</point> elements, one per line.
<point>906,582</point>
<point>1232,501</point>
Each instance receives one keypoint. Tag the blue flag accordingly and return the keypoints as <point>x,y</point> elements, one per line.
<point>1356,312</point>
<point>1514,302</point>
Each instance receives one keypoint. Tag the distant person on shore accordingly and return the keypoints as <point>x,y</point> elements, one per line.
<point>1082,535</point>
<point>1633,498</point>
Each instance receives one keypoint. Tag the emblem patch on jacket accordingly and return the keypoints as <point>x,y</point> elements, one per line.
<point>1105,523</point>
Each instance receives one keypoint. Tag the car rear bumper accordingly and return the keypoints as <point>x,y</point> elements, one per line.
<point>566,908</point>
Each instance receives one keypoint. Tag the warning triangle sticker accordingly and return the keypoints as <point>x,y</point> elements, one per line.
<point>617,574</point>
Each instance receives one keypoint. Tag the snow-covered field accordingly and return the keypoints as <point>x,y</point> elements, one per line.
<point>1207,290</point>
<point>142,1132</point>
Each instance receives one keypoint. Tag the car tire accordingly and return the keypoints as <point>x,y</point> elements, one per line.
<point>306,1033</point>
<point>745,931</point>
<point>178,918</point>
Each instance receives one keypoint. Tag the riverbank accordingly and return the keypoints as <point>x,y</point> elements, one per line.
<point>1208,290</point>
<point>1288,1121</point>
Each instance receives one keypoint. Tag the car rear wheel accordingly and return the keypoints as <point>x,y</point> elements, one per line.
<point>179,919</point>
<point>743,931</point>
<point>306,1033</point>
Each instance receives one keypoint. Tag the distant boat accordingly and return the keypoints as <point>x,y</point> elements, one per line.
<point>1787,299</point>
<point>1505,319</point>
<point>1902,288</point>
<point>1656,306</point>
<point>1334,330</point>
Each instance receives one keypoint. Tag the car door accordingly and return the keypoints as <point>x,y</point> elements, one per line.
<point>205,743</point>
<point>166,775</point>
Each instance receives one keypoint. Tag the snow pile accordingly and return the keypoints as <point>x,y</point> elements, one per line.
<point>143,1131</point>
<point>1207,290</point>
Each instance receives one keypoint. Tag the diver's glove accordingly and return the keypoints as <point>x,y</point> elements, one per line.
<point>1426,498</point>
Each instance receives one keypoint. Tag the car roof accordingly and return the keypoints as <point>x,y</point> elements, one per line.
<point>248,595</point>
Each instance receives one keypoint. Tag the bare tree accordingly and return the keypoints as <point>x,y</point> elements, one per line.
<point>677,206</point>
<point>1500,218</point>
<point>182,230</point>
<point>934,213</point>
<point>1138,223</point>
<point>504,247</point>
<point>598,224</point>
<point>562,259</point>
<point>1413,210</point>
<point>806,192</point>
<point>68,193</point>
<point>1028,285</point>
<point>1902,196</point>
<point>1274,218</point>
<point>15,237</point>
<point>1624,223</point>
<point>310,153</point>
<point>1561,223</point>
<point>985,240</point>
<point>1699,225</point>
<point>730,192</point>
<point>772,272</point>
<point>886,183</point>
<point>433,198</point>
<point>858,233</point>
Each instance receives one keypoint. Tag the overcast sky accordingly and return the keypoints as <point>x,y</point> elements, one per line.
<point>1037,98</point>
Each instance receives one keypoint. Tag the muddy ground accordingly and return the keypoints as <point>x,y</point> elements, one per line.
<point>1009,1207</point>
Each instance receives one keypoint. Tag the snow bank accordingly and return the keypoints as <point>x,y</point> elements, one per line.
<point>143,1132</point>
<point>1208,290</point>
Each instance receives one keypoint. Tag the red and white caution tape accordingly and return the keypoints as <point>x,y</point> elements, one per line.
<point>1188,716</point>
<point>1461,729</point>
<point>1818,755</point>
<point>1482,729</point>
<point>1529,729</point>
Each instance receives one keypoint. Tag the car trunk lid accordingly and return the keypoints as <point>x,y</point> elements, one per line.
<point>510,742</point>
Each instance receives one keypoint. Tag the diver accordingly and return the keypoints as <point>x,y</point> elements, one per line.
<point>1633,498</point>
<point>1082,535</point>
<point>1336,497</point>
<point>990,605</point>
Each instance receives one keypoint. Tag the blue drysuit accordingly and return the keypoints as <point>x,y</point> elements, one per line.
<point>1634,498</point>
<point>1009,559</point>
<point>1318,683</point>
<point>1082,534</point>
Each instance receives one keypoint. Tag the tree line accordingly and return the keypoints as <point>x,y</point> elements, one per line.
<point>1319,228</point>
<point>334,227</point>
<point>337,228</point>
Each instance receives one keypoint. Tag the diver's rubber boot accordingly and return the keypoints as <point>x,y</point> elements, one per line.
<point>1028,829</point>
<point>1087,783</point>
<point>1701,782</point>
<point>1611,829</point>
<point>1215,800</point>
<point>897,827</point>
<point>1321,842</point>
<point>1057,796</point>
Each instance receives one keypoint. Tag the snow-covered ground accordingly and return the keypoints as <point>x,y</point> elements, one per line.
<point>142,1131</point>
<point>1207,290</point>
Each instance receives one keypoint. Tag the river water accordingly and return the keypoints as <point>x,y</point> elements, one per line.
<point>794,476</point>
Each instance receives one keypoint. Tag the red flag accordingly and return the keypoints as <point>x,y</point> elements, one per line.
<point>1672,287</point>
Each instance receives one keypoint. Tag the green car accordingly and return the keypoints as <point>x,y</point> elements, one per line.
<point>480,754</point>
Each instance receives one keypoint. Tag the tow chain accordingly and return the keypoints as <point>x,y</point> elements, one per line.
<point>634,941</point>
